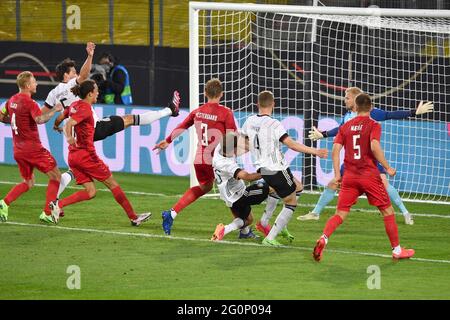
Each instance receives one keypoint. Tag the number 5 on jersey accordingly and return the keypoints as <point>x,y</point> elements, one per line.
<point>356,147</point>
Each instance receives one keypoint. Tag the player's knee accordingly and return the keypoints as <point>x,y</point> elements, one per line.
<point>206,187</point>
<point>91,192</point>
<point>332,185</point>
<point>30,183</point>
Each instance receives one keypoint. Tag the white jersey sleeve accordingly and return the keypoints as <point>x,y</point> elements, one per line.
<point>225,170</point>
<point>62,94</point>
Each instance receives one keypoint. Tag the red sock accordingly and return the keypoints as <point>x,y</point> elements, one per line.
<point>121,199</point>
<point>188,197</point>
<point>332,223</point>
<point>52,193</point>
<point>391,229</point>
<point>15,192</point>
<point>74,198</point>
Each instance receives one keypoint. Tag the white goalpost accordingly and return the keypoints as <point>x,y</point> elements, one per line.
<point>308,55</point>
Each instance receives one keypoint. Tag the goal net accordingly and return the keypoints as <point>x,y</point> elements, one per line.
<point>308,56</point>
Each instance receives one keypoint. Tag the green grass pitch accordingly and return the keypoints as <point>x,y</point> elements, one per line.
<point>118,261</point>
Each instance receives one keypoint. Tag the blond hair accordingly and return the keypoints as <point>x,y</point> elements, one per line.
<point>213,88</point>
<point>354,91</point>
<point>23,79</point>
<point>265,99</point>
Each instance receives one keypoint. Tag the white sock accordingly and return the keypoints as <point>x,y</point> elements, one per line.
<point>150,116</point>
<point>325,238</point>
<point>236,224</point>
<point>66,177</point>
<point>270,208</point>
<point>397,250</point>
<point>173,213</point>
<point>281,222</point>
<point>245,230</point>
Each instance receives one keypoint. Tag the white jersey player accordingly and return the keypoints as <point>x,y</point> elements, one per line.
<point>230,181</point>
<point>67,74</point>
<point>265,136</point>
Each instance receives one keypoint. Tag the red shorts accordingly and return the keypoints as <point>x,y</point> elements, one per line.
<point>87,166</point>
<point>204,173</point>
<point>353,187</point>
<point>41,160</point>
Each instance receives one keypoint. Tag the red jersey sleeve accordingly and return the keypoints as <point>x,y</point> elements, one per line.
<point>35,110</point>
<point>81,114</point>
<point>339,137</point>
<point>189,121</point>
<point>230,124</point>
<point>375,133</point>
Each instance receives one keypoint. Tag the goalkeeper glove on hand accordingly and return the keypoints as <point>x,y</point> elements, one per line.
<point>424,107</point>
<point>315,134</point>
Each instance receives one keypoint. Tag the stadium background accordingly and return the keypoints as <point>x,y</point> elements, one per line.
<point>151,39</point>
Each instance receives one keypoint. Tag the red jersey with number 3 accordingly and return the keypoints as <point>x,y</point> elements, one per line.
<point>211,122</point>
<point>356,136</point>
<point>84,130</point>
<point>22,110</point>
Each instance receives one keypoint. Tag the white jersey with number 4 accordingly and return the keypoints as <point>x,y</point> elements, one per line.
<point>62,94</point>
<point>265,135</point>
<point>225,170</point>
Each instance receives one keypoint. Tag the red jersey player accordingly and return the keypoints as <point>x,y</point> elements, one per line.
<point>83,159</point>
<point>24,115</point>
<point>211,122</point>
<point>361,139</point>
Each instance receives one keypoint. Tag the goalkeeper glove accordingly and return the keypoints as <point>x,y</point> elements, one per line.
<point>315,134</point>
<point>424,108</point>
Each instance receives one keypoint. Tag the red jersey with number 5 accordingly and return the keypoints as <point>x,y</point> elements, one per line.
<point>22,111</point>
<point>211,122</point>
<point>356,136</point>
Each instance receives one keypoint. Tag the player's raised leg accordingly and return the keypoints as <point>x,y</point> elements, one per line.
<point>173,109</point>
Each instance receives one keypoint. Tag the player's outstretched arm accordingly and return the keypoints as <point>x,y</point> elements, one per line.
<point>87,66</point>
<point>294,145</point>
<point>244,175</point>
<point>44,117</point>
<point>379,155</point>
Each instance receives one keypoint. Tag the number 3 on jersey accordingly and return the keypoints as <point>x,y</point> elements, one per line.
<point>204,128</point>
<point>356,147</point>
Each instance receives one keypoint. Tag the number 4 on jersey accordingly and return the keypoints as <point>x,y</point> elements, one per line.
<point>13,124</point>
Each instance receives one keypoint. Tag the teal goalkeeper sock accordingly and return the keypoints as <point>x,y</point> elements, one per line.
<point>395,198</point>
<point>326,197</point>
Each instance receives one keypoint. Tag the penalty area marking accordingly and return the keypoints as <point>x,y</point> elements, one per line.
<point>224,242</point>
<point>306,205</point>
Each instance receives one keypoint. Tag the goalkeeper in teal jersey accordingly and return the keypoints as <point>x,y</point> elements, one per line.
<point>378,115</point>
